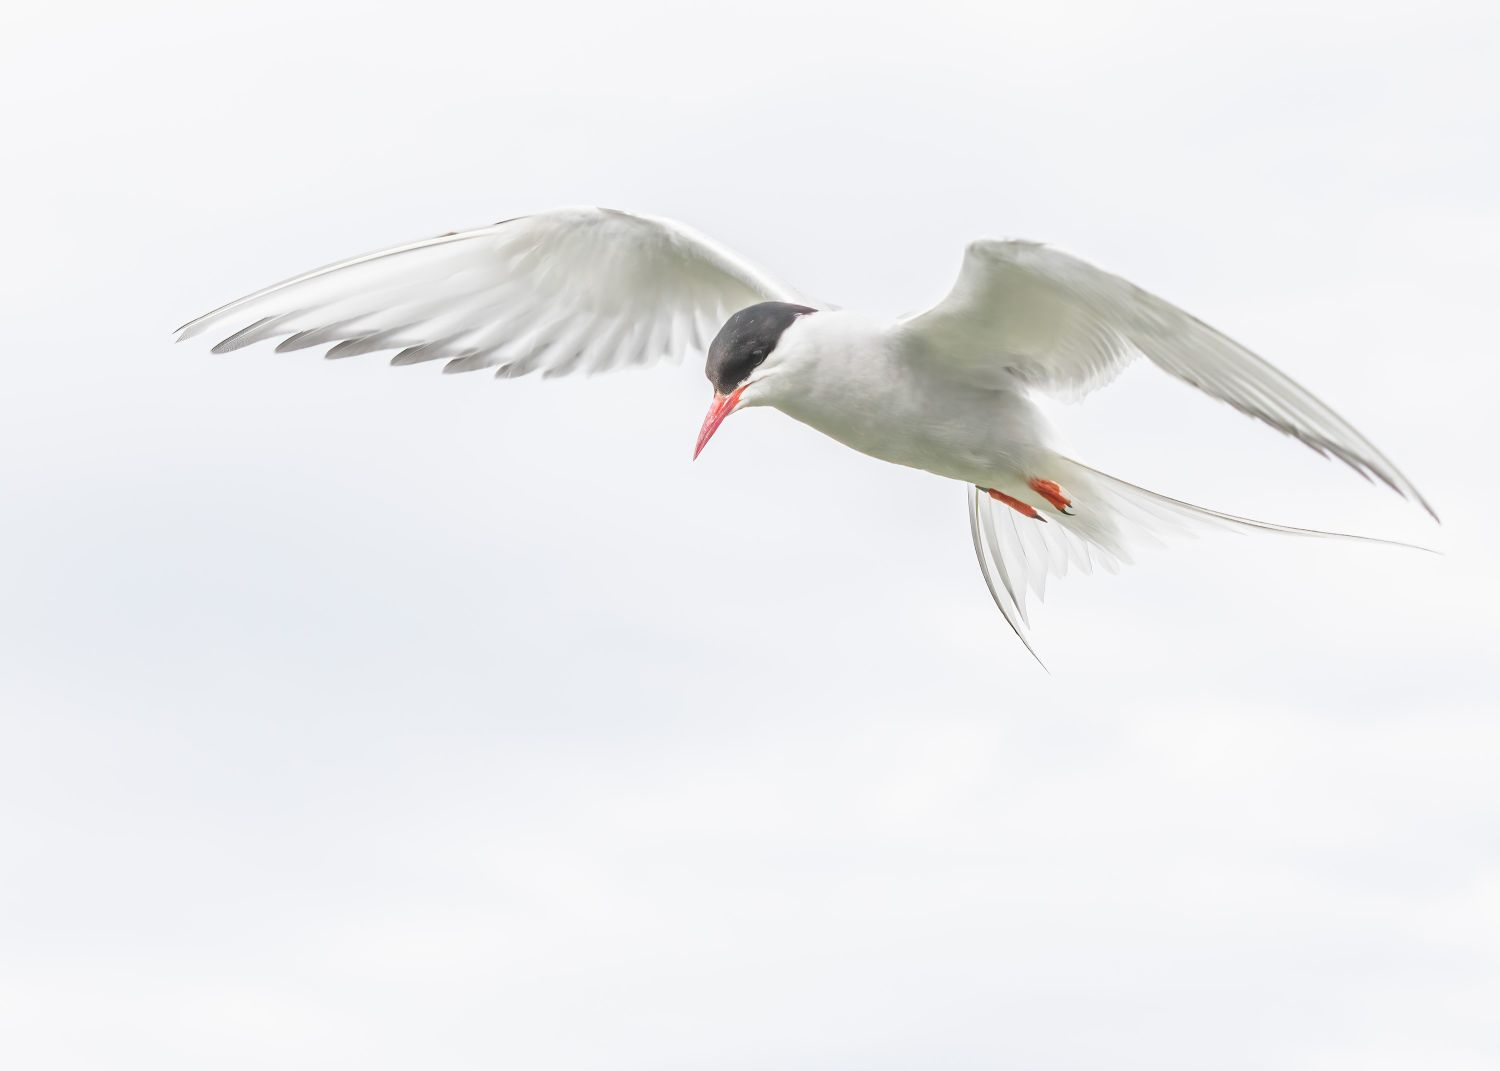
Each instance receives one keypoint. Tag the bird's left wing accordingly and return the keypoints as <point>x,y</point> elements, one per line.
<point>1023,314</point>
<point>570,290</point>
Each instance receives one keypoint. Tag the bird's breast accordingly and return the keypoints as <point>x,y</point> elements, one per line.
<point>891,406</point>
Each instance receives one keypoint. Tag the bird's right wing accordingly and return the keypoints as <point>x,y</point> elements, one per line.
<point>1023,314</point>
<point>570,290</point>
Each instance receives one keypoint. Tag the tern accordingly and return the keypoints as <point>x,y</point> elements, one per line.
<point>952,391</point>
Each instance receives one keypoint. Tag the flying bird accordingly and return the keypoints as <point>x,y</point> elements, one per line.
<point>952,390</point>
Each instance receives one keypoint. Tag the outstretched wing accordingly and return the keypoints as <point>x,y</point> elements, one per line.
<point>1021,313</point>
<point>570,290</point>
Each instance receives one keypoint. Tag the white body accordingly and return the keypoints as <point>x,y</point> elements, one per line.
<point>868,385</point>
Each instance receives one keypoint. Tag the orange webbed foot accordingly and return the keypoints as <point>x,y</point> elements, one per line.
<point>1049,490</point>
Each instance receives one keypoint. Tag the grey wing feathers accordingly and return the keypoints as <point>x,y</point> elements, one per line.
<point>570,290</point>
<point>1022,313</point>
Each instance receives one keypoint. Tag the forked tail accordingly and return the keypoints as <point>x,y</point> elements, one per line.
<point>1110,520</point>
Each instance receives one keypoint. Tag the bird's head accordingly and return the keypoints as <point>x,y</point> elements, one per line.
<point>744,359</point>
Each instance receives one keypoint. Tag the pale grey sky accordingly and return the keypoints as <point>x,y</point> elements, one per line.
<point>361,717</point>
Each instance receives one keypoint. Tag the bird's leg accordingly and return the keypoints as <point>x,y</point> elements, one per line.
<point>1014,503</point>
<point>1054,494</point>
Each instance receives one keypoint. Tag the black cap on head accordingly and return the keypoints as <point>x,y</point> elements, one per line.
<point>745,340</point>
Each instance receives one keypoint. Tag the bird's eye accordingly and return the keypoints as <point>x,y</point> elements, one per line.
<point>758,354</point>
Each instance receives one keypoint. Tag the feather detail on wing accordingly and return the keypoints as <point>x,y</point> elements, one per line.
<point>1023,314</point>
<point>570,290</point>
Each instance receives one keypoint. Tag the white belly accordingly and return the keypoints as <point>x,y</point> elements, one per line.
<point>884,403</point>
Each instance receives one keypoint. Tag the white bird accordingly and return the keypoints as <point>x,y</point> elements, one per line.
<point>950,391</point>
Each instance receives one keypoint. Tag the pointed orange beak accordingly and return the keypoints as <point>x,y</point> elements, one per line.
<point>718,409</point>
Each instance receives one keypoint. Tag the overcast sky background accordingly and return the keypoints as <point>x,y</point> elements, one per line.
<point>355,717</point>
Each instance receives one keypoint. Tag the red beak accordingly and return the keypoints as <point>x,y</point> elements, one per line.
<point>718,409</point>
